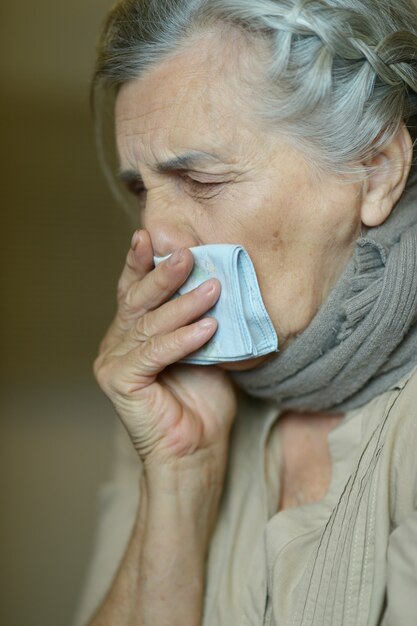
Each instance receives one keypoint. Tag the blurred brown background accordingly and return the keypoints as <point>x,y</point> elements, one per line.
<point>63,240</point>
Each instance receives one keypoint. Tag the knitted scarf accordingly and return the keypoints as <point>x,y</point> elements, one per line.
<point>364,337</point>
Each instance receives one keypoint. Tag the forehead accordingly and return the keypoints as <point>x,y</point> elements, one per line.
<point>194,97</point>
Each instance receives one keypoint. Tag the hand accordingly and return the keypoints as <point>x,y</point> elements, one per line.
<point>170,410</point>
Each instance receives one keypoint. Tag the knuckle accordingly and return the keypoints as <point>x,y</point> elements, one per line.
<point>145,327</point>
<point>129,297</point>
<point>109,375</point>
<point>128,304</point>
<point>177,339</point>
<point>139,330</point>
<point>161,279</point>
<point>125,389</point>
<point>101,372</point>
<point>152,355</point>
<point>120,292</point>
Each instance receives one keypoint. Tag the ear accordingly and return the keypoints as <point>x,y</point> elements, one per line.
<point>390,169</point>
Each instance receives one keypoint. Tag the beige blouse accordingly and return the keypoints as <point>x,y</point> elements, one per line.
<point>348,560</point>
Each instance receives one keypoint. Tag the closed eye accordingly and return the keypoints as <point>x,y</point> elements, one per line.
<point>199,189</point>
<point>203,190</point>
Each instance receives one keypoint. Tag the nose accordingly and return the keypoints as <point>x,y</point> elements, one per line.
<point>167,236</point>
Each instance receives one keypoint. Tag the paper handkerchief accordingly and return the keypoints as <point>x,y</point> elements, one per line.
<point>244,327</point>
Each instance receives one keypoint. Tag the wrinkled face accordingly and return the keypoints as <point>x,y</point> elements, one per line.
<point>212,174</point>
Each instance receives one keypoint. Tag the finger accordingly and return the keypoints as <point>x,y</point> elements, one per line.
<point>157,286</point>
<point>174,314</point>
<point>149,359</point>
<point>137,369</point>
<point>143,295</point>
<point>139,262</point>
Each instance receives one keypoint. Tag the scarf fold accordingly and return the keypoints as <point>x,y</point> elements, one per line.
<point>364,338</point>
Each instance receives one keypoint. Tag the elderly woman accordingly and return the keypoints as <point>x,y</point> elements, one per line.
<point>276,489</point>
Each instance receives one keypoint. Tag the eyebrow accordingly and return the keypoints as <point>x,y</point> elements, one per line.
<point>183,162</point>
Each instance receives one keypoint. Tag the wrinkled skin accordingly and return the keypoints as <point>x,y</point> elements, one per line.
<point>246,186</point>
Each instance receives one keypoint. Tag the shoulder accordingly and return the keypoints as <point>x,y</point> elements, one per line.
<point>401,555</point>
<point>402,411</point>
<point>401,446</point>
<point>407,388</point>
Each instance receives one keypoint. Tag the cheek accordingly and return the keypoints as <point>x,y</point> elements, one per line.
<point>232,217</point>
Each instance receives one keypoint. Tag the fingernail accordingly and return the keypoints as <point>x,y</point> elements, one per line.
<point>135,239</point>
<point>176,257</point>
<point>205,326</point>
<point>206,288</point>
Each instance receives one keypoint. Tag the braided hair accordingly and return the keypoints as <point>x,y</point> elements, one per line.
<point>341,75</point>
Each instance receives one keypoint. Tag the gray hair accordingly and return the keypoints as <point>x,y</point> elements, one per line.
<point>342,74</point>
